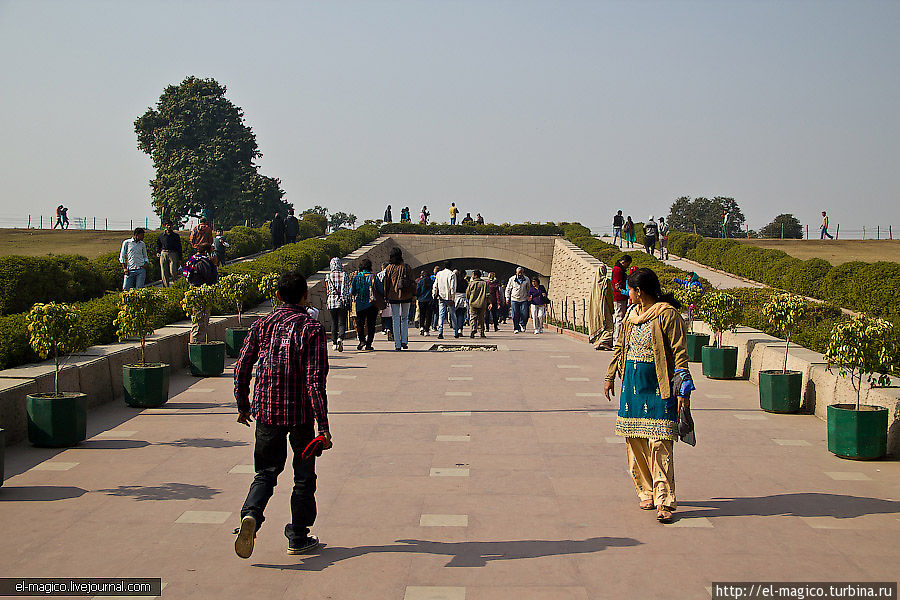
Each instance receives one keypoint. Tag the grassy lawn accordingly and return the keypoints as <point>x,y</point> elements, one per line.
<point>43,242</point>
<point>834,251</point>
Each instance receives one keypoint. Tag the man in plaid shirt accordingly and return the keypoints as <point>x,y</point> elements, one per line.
<point>288,395</point>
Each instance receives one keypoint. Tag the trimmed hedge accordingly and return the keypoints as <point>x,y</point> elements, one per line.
<point>489,229</point>
<point>99,314</point>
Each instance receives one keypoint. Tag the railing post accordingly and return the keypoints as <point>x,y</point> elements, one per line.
<point>878,232</point>
<point>837,233</point>
<point>864,232</point>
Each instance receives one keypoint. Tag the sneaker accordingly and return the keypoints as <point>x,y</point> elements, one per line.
<point>482,335</point>
<point>310,543</point>
<point>404,346</point>
<point>246,534</point>
<point>340,346</point>
<point>473,335</point>
<point>421,332</point>
<point>369,348</point>
<point>440,336</point>
<point>516,331</point>
<point>536,332</point>
<point>359,346</point>
<point>398,348</point>
<point>456,335</point>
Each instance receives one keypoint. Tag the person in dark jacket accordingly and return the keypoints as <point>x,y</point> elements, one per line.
<point>366,312</point>
<point>399,287</point>
<point>387,214</point>
<point>168,250</point>
<point>423,296</point>
<point>276,228</point>
<point>495,301</point>
<point>291,228</point>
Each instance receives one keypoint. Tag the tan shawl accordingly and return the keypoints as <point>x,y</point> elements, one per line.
<point>637,317</point>
<point>600,313</point>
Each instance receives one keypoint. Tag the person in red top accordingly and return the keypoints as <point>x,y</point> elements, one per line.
<point>619,293</point>
<point>201,234</point>
<point>289,394</point>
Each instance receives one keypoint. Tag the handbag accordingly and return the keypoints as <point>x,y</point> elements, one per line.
<point>686,426</point>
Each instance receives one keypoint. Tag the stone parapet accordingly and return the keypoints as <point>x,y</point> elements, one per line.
<point>571,278</point>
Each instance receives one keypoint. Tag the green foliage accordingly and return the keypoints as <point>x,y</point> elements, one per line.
<point>25,280</point>
<point>689,296</point>
<point>784,312</point>
<point>55,329</point>
<point>317,222</point>
<point>238,290</point>
<point>268,285</point>
<point>339,219</point>
<point>706,214</point>
<point>783,226</point>
<point>863,347</point>
<point>204,154</point>
<point>721,311</point>
<point>487,229</point>
<point>136,311</point>
<point>199,299</point>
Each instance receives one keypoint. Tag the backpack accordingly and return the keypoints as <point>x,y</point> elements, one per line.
<point>650,230</point>
<point>198,270</point>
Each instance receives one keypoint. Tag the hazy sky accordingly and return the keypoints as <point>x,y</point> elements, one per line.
<point>518,110</point>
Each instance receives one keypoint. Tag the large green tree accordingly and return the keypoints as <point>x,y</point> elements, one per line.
<point>783,226</point>
<point>706,214</point>
<point>204,155</point>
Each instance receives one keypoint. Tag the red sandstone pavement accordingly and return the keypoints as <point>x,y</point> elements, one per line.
<point>545,510</point>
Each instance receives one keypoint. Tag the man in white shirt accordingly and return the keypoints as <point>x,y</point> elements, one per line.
<point>517,296</point>
<point>443,291</point>
<point>135,261</point>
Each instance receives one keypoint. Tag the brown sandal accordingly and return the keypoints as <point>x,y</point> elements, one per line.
<point>646,505</point>
<point>664,515</point>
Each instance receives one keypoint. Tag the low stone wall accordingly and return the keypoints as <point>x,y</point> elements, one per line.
<point>758,351</point>
<point>571,276</point>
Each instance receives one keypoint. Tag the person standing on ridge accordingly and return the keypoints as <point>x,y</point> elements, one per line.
<point>651,234</point>
<point>479,220</point>
<point>663,239</point>
<point>423,216</point>
<point>453,212</point>
<point>387,215</point>
<point>824,228</point>
<point>288,398</point>
<point>59,217</point>
<point>467,220</point>
<point>618,222</point>
<point>726,222</point>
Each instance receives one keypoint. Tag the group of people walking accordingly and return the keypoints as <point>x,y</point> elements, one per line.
<point>424,216</point>
<point>655,232</point>
<point>284,229</point>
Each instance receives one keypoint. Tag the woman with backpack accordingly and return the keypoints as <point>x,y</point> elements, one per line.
<point>399,288</point>
<point>337,291</point>
<point>363,292</point>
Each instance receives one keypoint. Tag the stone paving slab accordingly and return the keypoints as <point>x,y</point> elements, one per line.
<point>531,498</point>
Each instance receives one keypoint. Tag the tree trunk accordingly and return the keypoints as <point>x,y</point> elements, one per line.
<point>56,375</point>
<point>787,344</point>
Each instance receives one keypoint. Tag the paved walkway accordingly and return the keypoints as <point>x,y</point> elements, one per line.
<point>489,475</point>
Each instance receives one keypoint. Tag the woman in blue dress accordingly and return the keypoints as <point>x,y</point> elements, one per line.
<point>651,358</point>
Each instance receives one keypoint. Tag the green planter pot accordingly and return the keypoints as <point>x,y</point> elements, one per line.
<point>146,386</point>
<point>779,392</point>
<point>695,343</point>
<point>2,454</point>
<point>56,420</point>
<point>234,340</point>
<point>860,435</point>
<point>720,363</point>
<point>207,360</point>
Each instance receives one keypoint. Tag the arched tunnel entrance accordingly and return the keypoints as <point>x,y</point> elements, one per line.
<point>503,269</point>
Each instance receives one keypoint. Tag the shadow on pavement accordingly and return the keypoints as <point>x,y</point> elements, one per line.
<point>39,493</point>
<point>203,443</point>
<point>110,444</point>
<point>166,491</point>
<point>463,554</point>
<point>797,505</point>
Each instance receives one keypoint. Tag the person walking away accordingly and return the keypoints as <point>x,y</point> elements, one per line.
<point>288,349</point>
<point>387,327</point>
<point>168,250</point>
<point>200,269</point>
<point>467,220</point>
<point>517,296</point>
<point>600,311</point>
<point>337,292</point>
<point>619,293</point>
<point>479,220</point>
<point>824,227</point>
<point>651,358</point>
<point>58,217</point>
<point>276,230</point>
<point>726,221</point>
<point>618,222</point>
<point>219,247</point>
<point>537,297</point>
<point>134,260</point>
<point>362,288</point>
<point>651,234</point>
<point>65,217</point>
<point>443,291</point>
<point>399,289</point>
<point>663,239</point>
<point>504,304</point>
<point>387,215</point>
<point>434,302</point>
<point>201,234</point>
<point>453,212</point>
<point>460,304</point>
<point>291,228</point>
<point>495,301</point>
<point>477,296</point>
<point>628,229</point>
<point>423,297</point>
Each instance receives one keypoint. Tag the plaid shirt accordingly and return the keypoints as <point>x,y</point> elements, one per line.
<point>290,376</point>
<point>338,289</point>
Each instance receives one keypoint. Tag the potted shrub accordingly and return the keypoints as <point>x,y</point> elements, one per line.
<point>722,312</point>
<point>861,348</point>
<point>146,384</point>
<point>689,296</point>
<point>57,418</point>
<point>238,290</point>
<point>268,285</point>
<point>207,359</point>
<point>779,390</point>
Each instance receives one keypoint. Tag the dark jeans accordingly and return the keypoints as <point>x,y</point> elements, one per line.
<point>269,457</point>
<point>520,314</point>
<point>365,325</point>
<point>425,315</point>
<point>338,324</point>
<point>493,316</point>
<point>459,321</point>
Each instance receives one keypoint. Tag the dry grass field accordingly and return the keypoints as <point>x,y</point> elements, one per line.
<point>44,242</point>
<point>834,251</point>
